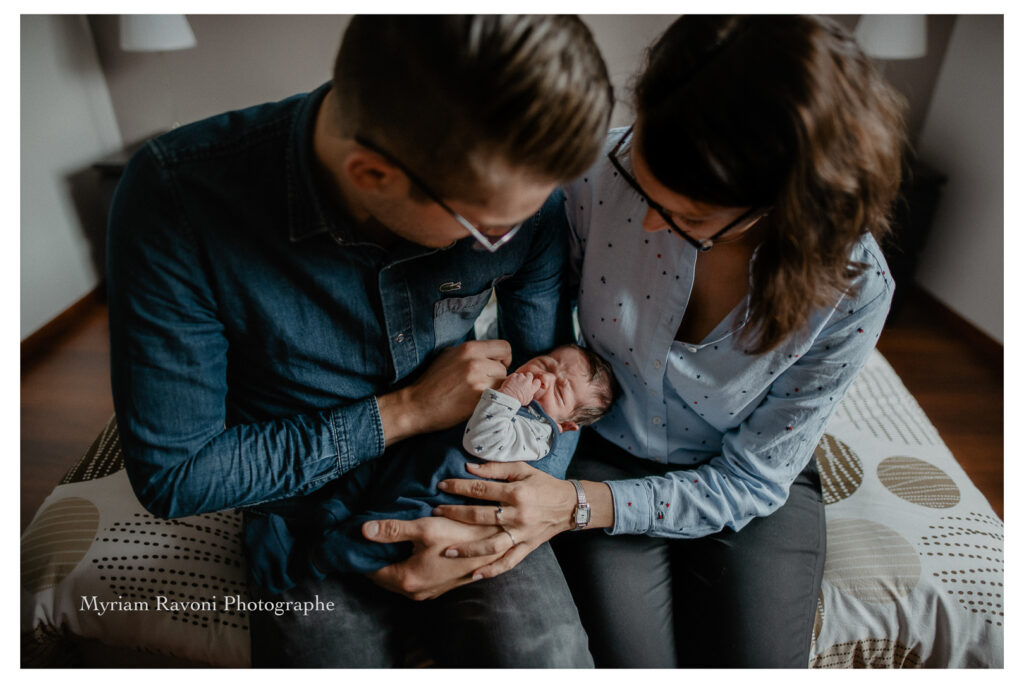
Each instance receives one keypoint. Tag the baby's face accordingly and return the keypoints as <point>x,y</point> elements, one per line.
<point>564,376</point>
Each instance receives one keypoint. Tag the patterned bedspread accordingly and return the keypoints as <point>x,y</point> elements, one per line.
<point>913,574</point>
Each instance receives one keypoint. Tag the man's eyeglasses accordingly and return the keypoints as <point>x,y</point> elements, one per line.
<point>490,244</point>
<point>704,244</point>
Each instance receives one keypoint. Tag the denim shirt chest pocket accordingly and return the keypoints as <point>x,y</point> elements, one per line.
<point>454,316</point>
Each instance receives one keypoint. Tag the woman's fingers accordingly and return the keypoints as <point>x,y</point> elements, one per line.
<point>483,489</point>
<point>476,488</point>
<point>507,471</point>
<point>477,514</point>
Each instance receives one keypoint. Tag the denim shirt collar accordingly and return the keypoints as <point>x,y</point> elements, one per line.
<point>310,211</point>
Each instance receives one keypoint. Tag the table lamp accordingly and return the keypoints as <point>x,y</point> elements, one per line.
<point>892,36</point>
<point>155,33</point>
<point>158,33</point>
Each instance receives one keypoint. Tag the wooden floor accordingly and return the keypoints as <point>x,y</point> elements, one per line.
<point>65,398</point>
<point>65,401</point>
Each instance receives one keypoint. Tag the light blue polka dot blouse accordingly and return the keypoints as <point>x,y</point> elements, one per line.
<point>740,427</point>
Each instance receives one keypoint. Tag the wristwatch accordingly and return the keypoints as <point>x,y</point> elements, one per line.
<point>581,515</point>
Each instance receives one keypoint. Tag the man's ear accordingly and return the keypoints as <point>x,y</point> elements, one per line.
<point>370,172</point>
<point>568,426</point>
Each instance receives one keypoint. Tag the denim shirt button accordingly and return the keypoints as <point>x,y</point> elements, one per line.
<point>399,338</point>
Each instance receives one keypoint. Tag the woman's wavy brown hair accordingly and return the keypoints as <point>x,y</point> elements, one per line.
<point>780,111</point>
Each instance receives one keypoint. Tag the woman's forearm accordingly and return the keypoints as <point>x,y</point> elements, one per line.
<point>602,507</point>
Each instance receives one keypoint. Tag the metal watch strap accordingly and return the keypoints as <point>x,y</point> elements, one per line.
<point>581,514</point>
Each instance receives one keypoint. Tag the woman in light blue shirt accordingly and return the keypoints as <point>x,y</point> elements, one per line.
<point>729,271</point>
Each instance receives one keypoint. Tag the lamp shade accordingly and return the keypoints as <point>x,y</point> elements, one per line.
<point>892,36</point>
<point>155,32</point>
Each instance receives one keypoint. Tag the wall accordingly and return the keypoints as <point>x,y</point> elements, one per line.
<point>82,95</point>
<point>241,60</point>
<point>623,41</point>
<point>962,264</point>
<point>67,122</point>
<point>915,78</point>
<point>238,61</point>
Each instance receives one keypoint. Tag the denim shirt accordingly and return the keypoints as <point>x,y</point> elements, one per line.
<point>252,325</point>
<point>738,428</point>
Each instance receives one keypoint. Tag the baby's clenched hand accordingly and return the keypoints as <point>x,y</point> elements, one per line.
<point>521,386</point>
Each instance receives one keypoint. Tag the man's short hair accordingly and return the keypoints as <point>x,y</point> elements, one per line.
<point>446,94</point>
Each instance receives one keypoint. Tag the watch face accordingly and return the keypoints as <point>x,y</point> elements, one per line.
<point>582,514</point>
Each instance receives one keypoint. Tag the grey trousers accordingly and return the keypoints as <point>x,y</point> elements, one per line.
<point>732,599</point>
<point>523,618</point>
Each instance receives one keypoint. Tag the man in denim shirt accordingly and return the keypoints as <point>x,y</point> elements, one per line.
<point>291,286</point>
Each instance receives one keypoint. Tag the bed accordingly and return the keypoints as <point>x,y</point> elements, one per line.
<point>913,573</point>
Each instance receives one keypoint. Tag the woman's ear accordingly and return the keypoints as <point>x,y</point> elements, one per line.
<point>568,426</point>
<point>369,171</point>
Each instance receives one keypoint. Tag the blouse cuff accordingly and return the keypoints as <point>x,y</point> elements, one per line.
<point>632,500</point>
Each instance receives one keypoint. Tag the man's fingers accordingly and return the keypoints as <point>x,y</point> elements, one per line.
<point>495,370</point>
<point>495,545</point>
<point>495,349</point>
<point>392,530</point>
<point>487,372</point>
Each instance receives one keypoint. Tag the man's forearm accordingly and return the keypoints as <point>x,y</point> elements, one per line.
<point>399,416</point>
<point>248,464</point>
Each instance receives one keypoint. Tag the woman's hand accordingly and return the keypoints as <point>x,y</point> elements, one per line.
<point>534,507</point>
<point>429,573</point>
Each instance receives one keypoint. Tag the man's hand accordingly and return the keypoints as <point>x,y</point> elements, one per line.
<point>447,392</point>
<point>428,573</point>
<point>522,386</point>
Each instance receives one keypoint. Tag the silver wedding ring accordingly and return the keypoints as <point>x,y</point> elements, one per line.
<point>497,514</point>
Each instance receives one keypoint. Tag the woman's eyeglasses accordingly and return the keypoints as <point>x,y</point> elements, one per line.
<point>704,244</point>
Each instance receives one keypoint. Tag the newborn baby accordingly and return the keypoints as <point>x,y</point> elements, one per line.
<point>563,390</point>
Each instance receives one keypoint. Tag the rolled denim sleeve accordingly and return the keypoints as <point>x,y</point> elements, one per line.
<point>169,356</point>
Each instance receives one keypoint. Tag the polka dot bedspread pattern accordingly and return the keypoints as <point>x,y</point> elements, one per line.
<point>914,570</point>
